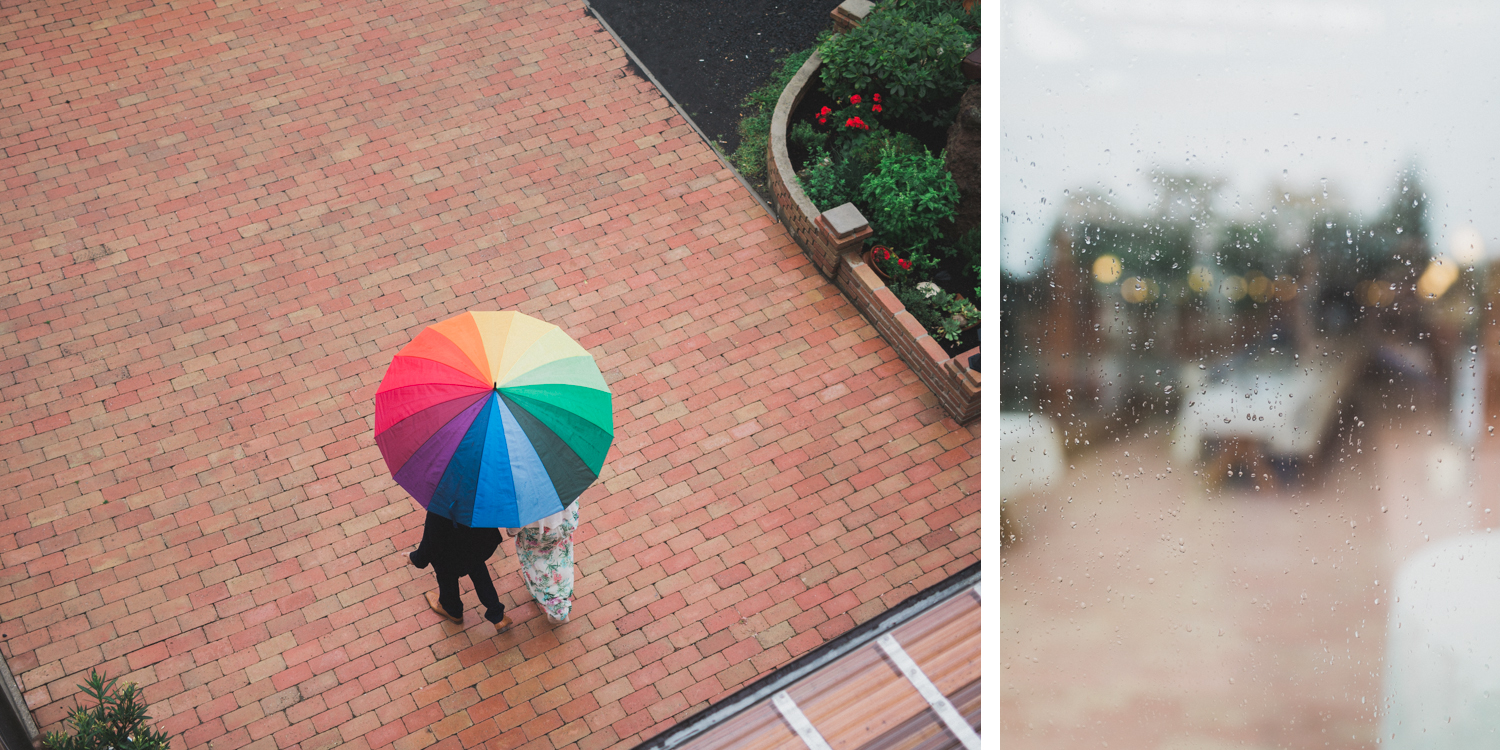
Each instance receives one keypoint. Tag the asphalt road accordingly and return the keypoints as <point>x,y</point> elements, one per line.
<point>709,55</point>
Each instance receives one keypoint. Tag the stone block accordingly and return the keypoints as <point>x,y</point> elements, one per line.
<point>850,13</point>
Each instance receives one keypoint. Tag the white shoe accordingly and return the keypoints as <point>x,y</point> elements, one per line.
<point>554,620</point>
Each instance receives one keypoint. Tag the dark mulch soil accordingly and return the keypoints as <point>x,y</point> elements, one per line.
<point>709,55</point>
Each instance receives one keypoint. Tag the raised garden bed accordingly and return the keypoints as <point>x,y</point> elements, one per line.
<point>835,241</point>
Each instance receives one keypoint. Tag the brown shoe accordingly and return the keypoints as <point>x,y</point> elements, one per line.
<point>504,625</point>
<point>432,599</point>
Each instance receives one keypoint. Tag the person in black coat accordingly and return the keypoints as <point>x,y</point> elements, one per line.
<point>454,551</point>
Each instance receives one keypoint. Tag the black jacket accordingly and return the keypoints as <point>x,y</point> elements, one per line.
<point>450,544</point>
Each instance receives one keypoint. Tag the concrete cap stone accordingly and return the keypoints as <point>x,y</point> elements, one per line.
<point>857,8</point>
<point>845,219</point>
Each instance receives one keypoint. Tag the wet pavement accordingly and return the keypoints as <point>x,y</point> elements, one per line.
<point>1143,609</point>
<point>220,223</point>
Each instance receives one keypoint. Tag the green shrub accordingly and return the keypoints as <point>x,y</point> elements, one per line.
<point>928,11</point>
<point>117,722</point>
<point>865,151</point>
<point>834,179</point>
<point>914,64</point>
<point>907,199</point>
<point>838,176</point>
<point>966,250</point>
<point>755,121</point>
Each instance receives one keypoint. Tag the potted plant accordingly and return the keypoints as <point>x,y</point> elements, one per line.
<point>887,264</point>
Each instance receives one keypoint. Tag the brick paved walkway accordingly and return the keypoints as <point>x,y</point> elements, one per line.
<point>220,222</point>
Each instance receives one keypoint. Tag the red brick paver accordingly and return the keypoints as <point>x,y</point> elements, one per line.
<point>220,222</point>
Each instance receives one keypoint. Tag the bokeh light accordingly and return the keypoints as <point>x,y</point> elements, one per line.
<point>1234,288</point>
<point>1200,279</point>
<point>1440,274</point>
<point>1107,269</point>
<point>1258,286</point>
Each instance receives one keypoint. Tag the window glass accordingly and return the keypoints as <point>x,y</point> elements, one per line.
<point>1248,384</point>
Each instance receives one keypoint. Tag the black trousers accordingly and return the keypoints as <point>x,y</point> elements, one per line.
<point>448,597</point>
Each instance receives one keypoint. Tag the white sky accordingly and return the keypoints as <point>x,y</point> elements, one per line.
<point>1095,94</point>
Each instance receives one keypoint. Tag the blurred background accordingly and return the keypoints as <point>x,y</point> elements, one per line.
<point>1250,374</point>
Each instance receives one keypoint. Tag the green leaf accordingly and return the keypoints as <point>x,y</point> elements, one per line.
<point>117,720</point>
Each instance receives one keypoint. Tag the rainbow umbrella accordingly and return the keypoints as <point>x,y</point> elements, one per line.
<point>493,419</point>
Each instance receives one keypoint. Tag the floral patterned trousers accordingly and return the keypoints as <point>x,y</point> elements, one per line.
<point>547,564</point>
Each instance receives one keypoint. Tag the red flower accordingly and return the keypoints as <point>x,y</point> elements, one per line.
<point>854,99</point>
<point>855,122</point>
<point>875,108</point>
<point>876,97</point>
<point>904,264</point>
<point>880,253</point>
<point>824,111</point>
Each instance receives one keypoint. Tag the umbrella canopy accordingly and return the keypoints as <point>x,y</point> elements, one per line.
<point>493,419</point>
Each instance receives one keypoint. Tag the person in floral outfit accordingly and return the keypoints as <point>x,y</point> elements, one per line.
<point>545,550</point>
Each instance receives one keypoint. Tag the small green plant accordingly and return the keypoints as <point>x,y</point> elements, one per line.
<point>915,63</point>
<point>945,316</point>
<point>755,121</point>
<point>118,722</point>
<point>805,135</point>
<point>909,197</point>
<point>823,182</point>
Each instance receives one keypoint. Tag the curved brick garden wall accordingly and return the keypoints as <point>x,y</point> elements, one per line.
<point>838,254</point>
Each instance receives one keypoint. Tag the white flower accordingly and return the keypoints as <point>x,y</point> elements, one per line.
<point>927,288</point>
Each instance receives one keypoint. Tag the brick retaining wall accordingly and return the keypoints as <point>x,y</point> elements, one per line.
<point>791,204</point>
<point>951,380</point>
<point>955,385</point>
